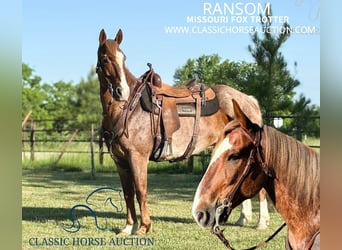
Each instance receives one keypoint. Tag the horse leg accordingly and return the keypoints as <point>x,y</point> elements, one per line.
<point>139,169</point>
<point>246,213</point>
<point>264,217</point>
<point>127,183</point>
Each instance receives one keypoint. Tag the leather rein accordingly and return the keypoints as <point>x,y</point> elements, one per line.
<point>227,202</point>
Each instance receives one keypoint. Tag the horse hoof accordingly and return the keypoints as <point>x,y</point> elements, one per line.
<point>261,226</point>
<point>122,234</point>
<point>143,230</point>
<point>129,230</point>
<point>242,221</point>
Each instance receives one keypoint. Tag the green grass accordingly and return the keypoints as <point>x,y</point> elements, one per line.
<point>49,191</point>
<point>48,195</point>
<point>73,162</point>
<point>81,161</point>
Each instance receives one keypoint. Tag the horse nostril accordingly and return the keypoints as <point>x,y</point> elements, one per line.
<point>118,92</point>
<point>202,217</point>
<point>199,215</point>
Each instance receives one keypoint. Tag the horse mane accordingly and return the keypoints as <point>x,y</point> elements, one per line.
<point>296,164</point>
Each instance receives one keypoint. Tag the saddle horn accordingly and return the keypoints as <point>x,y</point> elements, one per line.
<point>154,77</point>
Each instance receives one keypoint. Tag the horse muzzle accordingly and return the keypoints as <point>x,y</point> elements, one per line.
<point>214,218</point>
<point>118,92</point>
<point>205,218</point>
<point>121,93</point>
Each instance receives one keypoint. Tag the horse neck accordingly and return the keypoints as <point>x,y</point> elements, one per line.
<point>110,107</point>
<point>296,172</point>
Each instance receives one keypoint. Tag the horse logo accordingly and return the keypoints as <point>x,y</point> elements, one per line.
<point>96,202</point>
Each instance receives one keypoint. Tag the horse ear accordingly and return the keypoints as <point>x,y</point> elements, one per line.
<point>240,115</point>
<point>102,37</point>
<point>119,36</point>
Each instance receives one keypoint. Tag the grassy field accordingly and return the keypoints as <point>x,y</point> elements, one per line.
<point>48,195</point>
<point>49,192</point>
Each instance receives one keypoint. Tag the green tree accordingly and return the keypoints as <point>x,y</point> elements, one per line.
<point>33,96</point>
<point>47,101</point>
<point>62,101</point>
<point>273,85</point>
<point>60,95</point>
<point>87,102</point>
<point>203,69</point>
<point>306,119</point>
<point>211,70</point>
<point>236,74</point>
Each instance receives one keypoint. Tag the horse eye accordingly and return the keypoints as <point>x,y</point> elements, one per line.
<point>233,157</point>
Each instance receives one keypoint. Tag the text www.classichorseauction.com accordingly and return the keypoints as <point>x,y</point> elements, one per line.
<point>237,18</point>
<point>109,197</point>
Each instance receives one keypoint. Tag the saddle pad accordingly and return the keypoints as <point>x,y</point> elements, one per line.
<point>184,109</point>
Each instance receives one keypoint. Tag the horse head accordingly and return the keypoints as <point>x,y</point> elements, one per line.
<point>111,68</point>
<point>234,172</point>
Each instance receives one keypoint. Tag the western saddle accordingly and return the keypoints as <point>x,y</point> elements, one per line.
<point>167,104</point>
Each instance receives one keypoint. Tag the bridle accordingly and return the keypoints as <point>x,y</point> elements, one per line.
<point>227,204</point>
<point>127,108</point>
<point>118,90</point>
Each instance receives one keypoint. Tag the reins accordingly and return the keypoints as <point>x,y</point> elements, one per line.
<point>227,202</point>
<point>220,235</point>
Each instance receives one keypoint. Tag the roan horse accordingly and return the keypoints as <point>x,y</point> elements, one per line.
<point>131,133</point>
<point>248,157</point>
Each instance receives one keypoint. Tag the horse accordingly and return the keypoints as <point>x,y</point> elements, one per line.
<point>131,133</point>
<point>248,157</point>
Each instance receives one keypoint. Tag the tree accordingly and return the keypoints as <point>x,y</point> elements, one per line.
<point>273,85</point>
<point>211,70</point>
<point>87,102</point>
<point>47,101</point>
<point>236,74</point>
<point>306,119</point>
<point>60,96</point>
<point>33,96</point>
<point>79,104</point>
<point>202,69</point>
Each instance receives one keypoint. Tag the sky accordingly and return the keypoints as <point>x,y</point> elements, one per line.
<point>60,38</point>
